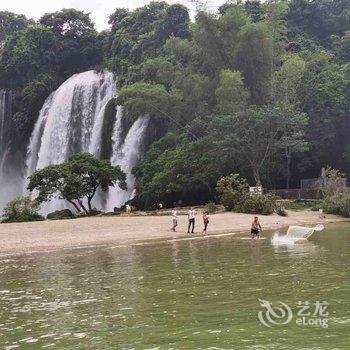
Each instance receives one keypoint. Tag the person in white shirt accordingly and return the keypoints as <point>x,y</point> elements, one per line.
<point>191,220</point>
<point>174,218</point>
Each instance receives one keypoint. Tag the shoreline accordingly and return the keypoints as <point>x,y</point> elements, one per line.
<point>80,233</point>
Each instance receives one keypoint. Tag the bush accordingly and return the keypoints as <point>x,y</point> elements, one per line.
<point>234,195</point>
<point>233,191</point>
<point>281,211</point>
<point>60,215</point>
<point>21,209</point>
<point>259,204</point>
<point>335,183</point>
<point>338,205</point>
<point>211,208</point>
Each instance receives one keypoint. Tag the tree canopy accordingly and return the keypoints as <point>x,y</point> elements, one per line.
<point>75,180</point>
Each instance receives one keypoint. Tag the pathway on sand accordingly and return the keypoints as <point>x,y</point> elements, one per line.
<point>53,235</point>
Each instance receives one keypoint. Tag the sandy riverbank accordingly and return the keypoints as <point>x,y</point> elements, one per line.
<point>54,235</point>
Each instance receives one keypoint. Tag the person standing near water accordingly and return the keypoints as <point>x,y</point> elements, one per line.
<point>174,218</point>
<point>191,220</point>
<point>205,221</point>
<point>256,228</point>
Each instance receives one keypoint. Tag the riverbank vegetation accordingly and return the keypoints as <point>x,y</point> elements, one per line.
<point>21,209</point>
<point>234,195</point>
<point>259,89</point>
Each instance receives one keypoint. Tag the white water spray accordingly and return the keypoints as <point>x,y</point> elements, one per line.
<point>69,122</point>
<point>295,234</point>
<point>127,155</point>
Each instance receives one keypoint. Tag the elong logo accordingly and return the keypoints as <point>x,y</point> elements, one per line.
<point>282,314</point>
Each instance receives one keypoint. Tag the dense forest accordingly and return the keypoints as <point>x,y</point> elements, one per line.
<point>259,89</point>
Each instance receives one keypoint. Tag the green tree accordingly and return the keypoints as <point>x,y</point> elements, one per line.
<point>78,178</point>
<point>175,23</point>
<point>324,97</point>
<point>254,59</point>
<point>170,172</point>
<point>147,99</point>
<point>287,88</point>
<point>27,54</point>
<point>342,48</point>
<point>79,48</point>
<point>256,135</point>
<point>231,94</point>
<point>319,19</point>
<point>217,38</point>
<point>11,23</point>
<point>233,191</point>
<point>288,81</point>
<point>276,20</point>
<point>141,34</point>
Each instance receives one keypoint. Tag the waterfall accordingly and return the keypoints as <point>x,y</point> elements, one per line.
<point>8,176</point>
<point>5,114</point>
<point>69,122</point>
<point>126,154</point>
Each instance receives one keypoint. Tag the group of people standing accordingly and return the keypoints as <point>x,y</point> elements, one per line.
<point>192,213</point>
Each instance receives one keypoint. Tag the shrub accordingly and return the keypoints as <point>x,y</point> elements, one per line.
<point>335,183</point>
<point>259,204</point>
<point>60,215</point>
<point>338,205</point>
<point>301,204</point>
<point>281,211</point>
<point>234,195</point>
<point>21,209</point>
<point>233,191</point>
<point>211,208</point>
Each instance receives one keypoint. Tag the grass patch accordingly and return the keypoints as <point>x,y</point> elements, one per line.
<point>301,204</point>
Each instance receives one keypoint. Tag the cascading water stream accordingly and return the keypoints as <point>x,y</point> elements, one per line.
<point>71,121</point>
<point>8,176</point>
<point>5,122</point>
<point>127,155</point>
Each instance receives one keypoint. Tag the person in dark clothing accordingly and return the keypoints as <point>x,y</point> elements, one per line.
<point>205,221</point>
<point>191,220</point>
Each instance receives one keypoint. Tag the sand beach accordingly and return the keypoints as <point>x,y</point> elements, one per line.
<point>48,235</point>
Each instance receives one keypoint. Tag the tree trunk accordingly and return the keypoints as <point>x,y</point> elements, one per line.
<point>82,205</point>
<point>75,206</point>
<point>289,160</point>
<point>91,197</point>
<point>256,177</point>
<point>89,204</point>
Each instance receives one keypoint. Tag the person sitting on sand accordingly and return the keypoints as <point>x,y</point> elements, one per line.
<point>256,228</point>
<point>191,219</point>
<point>174,218</point>
<point>205,221</point>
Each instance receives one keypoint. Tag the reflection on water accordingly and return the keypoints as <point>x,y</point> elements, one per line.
<point>181,294</point>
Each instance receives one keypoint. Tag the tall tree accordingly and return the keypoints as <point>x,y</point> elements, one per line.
<point>231,94</point>
<point>79,48</point>
<point>255,136</point>
<point>254,59</point>
<point>11,23</point>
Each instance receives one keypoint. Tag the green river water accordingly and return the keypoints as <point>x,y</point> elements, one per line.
<point>180,294</point>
